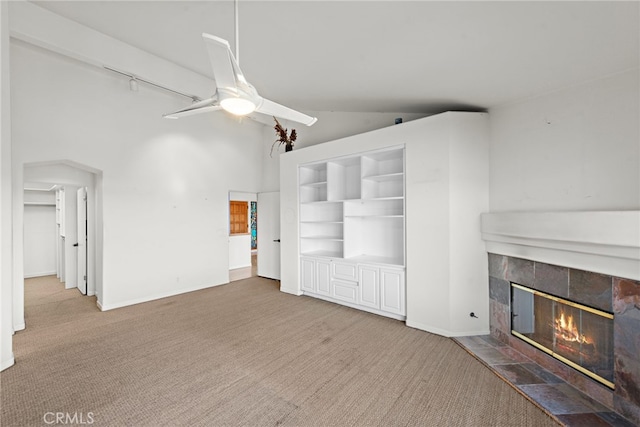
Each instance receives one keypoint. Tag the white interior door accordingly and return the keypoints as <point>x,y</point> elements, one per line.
<point>81,245</point>
<point>269,235</point>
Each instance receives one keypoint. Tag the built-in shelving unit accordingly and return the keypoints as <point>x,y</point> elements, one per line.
<point>407,201</point>
<point>352,215</point>
<point>353,207</point>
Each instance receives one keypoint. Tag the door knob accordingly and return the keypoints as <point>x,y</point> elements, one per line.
<point>277,240</point>
<point>75,244</point>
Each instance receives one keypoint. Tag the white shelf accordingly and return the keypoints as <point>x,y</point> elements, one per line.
<point>314,173</point>
<point>385,177</point>
<point>344,200</point>
<point>386,198</point>
<point>315,184</point>
<point>353,207</point>
<point>40,203</point>
<point>374,216</point>
<point>335,239</point>
<point>327,254</point>
<point>323,202</point>
<point>373,259</point>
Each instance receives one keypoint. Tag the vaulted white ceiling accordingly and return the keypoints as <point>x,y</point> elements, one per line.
<point>385,56</point>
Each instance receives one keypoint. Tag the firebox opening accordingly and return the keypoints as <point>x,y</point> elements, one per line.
<point>577,335</point>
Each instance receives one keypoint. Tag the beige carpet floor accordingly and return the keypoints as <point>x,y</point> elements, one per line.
<point>243,354</point>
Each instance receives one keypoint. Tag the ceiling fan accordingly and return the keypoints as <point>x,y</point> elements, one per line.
<point>234,93</point>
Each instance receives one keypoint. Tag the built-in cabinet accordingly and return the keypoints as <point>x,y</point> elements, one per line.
<point>402,236</point>
<point>371,287</point>
<point>352,230</point>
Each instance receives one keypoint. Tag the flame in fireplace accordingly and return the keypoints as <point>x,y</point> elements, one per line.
<point>567,330</point>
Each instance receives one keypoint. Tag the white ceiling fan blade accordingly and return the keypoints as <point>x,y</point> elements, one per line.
<point>203,106</point>
<point>265,119</point>
<point>274,109</point>
<point>225,68</point>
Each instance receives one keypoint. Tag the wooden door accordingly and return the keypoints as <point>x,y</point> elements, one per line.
<point>238,217</point>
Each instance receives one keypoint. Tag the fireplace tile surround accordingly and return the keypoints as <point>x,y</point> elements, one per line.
<point>606,292</point>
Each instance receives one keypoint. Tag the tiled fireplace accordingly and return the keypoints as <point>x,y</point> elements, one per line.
<point>578,335</point>
<point>560,295</point>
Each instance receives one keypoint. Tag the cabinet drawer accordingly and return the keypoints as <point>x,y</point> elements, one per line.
<point>344,291</point>
<point>344,271</point>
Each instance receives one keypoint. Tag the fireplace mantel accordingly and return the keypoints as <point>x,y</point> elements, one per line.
<point>605,242</point>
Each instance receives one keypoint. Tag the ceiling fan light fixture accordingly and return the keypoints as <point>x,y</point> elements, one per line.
<point>238,106</point>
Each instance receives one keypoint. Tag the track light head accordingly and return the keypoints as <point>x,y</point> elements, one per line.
<point>133,84</point>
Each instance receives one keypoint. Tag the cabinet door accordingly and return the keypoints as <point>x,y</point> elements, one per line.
<point>323,277</point>
<point>368,286</point>
<point>345,291</point>
<point>392,291</point>
<point>307,274</point>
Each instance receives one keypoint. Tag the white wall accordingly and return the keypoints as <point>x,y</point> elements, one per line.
<point>40,239</point>
<point>239,251</point>
<point>164,182</point>
<point>6,262</point>
<point>575,149</point>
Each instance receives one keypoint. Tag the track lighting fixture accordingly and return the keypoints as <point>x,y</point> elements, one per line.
<point>134,81</point>
<point>133,84</point>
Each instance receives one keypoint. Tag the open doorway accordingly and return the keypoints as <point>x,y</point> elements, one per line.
<point>61,222</point>
<point>243,241</point>
<point>55,233</point>
<point>254,246</point>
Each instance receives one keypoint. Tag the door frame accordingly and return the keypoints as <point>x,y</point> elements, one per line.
<point>244,196</point>
<point>63,172</point>
<point>82,244</point>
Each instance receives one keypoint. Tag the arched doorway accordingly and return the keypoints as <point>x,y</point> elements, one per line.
<point>76,191</point>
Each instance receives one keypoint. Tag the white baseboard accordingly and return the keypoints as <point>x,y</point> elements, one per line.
<point>42,274</point>
<point>296,292</point>
<point>113,306</point>
<point>7,363</point>
<point>19,327</point>
<point>443,332</point>
<point>469,333</point>
<point>237,267</point>
<point>357,306</point>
